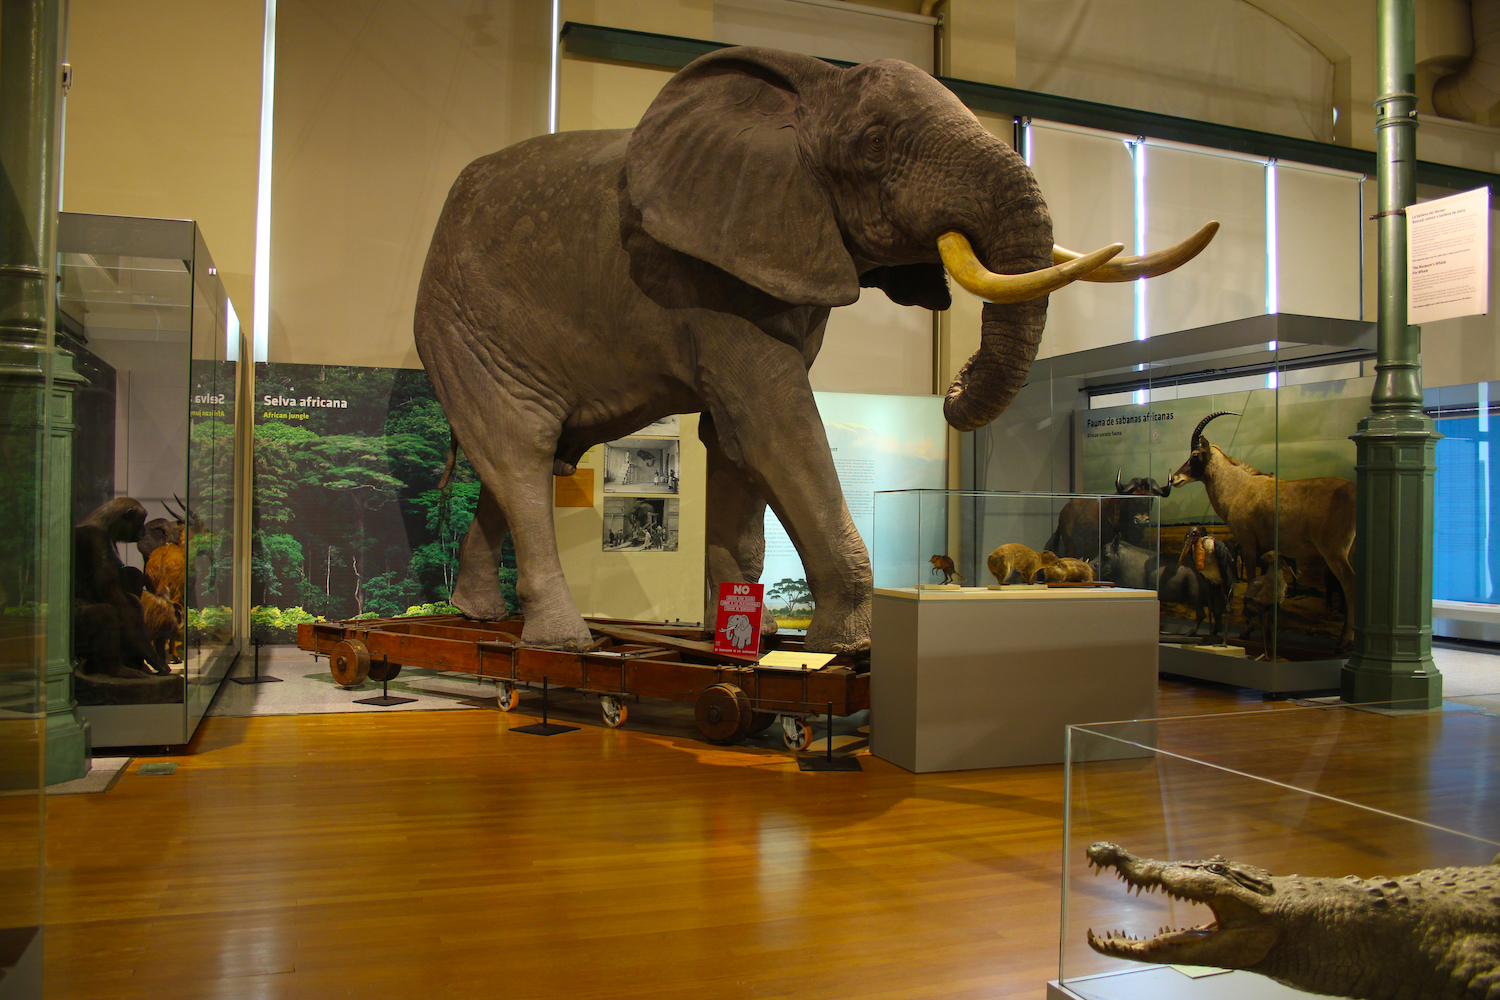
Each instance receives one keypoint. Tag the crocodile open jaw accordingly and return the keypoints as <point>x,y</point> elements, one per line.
<point>1147,949</point>
<point>1239,935</point>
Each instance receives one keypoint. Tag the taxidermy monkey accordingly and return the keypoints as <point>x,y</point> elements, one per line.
<point>1018,560</point>
<point>944,565</point>
<point>1068,570</point>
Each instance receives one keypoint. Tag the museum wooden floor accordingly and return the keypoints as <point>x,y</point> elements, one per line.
<point>436,854</point>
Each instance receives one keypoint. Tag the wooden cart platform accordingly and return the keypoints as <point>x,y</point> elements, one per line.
<point>733,696</point>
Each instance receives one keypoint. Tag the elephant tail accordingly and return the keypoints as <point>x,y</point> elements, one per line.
<point>452,461</point>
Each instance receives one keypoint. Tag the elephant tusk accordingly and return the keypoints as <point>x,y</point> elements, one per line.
<point>958,258</point>
<point>1148,266</point>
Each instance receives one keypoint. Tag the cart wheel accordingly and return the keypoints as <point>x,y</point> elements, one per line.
<point>795,733</point>
<point>614,710</point>
<point>349,663</point>
<point>760,722</point>
<point>723,714</point>
<point>507,696</point>
<point>384,670</point>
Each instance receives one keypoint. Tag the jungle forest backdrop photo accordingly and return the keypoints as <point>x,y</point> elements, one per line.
<point>349,521</point>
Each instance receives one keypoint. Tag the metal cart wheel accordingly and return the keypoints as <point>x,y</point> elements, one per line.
<point>349,662</point>
<point>614,710</point>
<point>507,696</point>
<point>795,733</point>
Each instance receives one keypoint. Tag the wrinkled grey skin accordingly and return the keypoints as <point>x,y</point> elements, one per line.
<point>1434,935</point>
<point>581,285</point>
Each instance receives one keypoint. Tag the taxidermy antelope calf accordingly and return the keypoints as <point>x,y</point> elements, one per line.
<point>1316,515</point>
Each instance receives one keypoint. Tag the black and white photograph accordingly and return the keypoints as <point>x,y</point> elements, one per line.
<point>640,524</point>
<point>641,465</point>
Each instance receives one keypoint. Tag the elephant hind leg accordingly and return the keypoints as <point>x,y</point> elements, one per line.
<point>477,591</point>
<point>525,473</point>
<point>735,528</point>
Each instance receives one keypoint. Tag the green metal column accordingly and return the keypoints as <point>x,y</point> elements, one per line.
<point>36,385</point>
<point>1396,443</point>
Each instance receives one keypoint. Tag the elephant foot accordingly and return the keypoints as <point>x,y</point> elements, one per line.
<point>768,624</point>
<point>859,650</point>
<point>835,630</point>
<point>483,607</point>
<point>565,632</point>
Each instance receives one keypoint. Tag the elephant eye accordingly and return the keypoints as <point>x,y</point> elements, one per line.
<point>875,142</point>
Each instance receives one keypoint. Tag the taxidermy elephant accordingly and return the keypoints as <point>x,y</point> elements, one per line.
<point>582,285</point>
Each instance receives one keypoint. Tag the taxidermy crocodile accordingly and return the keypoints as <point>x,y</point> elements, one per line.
<point>1434,935</point>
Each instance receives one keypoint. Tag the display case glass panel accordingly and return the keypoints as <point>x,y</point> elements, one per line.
<point>1324,792</point>
<point>147,322</point>
<point>1004,540</point>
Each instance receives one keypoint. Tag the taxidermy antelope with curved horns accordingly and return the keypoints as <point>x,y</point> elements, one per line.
<point>1316,515</point>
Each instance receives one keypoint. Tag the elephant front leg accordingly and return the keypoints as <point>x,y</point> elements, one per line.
<point>734,528</point>
<point>768,425</point>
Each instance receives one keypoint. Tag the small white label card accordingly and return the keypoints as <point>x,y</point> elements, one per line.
<point>1448,257</point>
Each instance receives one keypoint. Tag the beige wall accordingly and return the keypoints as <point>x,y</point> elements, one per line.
<point>646,585</point>
<point>378,108</point>
<point>164,120</point>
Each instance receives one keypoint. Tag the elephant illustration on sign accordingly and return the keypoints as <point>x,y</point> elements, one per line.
<point>584,284</point>
<point>739,631</point>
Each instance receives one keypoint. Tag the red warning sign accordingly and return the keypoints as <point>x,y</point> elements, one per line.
<point>737,625</point>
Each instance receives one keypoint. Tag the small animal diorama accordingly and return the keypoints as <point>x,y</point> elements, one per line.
<point>1068,570</point>
<point>944,565</point>
<point>1015,563</point>
<point>1432,934</point>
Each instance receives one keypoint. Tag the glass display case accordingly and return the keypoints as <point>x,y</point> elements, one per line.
<point>1320,792</point>
<point>152,333</point>
<point>938,540</point>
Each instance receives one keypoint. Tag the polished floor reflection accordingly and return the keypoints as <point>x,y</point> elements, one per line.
<point>437,854</point>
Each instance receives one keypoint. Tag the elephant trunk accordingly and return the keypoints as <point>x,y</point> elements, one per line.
<point>1009,337</point>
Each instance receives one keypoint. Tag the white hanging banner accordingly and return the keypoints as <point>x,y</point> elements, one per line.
<point>1448,257</point>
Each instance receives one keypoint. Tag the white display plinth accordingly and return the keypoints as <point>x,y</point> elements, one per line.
<point>982,678</point>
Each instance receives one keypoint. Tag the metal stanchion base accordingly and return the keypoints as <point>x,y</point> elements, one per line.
<point>828,764</point>
<point>257,677</point>
<point>544,729</point>
<point>382,699</point>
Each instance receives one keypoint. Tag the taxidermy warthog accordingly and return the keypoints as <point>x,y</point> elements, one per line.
<point>1084,522</point>
<point>584,284</point>
<point>1316,515</point>
<point>1129,565</point>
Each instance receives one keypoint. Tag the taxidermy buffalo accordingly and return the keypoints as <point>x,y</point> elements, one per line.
<point>1084,522</point>
<point>582,285</point>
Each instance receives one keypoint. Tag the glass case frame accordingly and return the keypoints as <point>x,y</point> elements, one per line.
<point>143,298</point>
<point>1325,790</point>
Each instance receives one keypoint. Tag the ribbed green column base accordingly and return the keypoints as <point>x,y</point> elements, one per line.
<point>1392,659</point>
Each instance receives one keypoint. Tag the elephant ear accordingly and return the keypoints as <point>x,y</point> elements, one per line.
<point>715,171</point>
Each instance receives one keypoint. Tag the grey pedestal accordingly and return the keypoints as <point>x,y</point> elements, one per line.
<point>1160,982</point>
<point>978,678</point>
